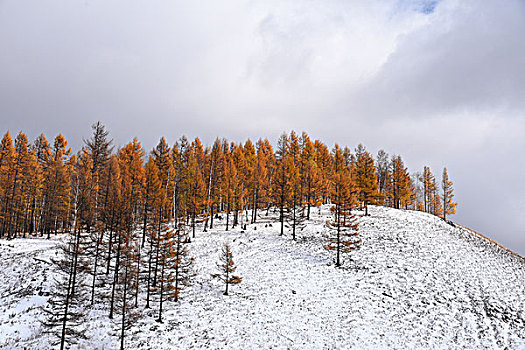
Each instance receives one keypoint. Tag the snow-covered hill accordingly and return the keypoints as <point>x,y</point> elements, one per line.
<point>417,283</point>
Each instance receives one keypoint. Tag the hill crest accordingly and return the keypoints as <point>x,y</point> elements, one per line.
<point>417,282</point>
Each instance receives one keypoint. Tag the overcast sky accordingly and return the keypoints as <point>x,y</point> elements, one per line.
<point>440,82</point>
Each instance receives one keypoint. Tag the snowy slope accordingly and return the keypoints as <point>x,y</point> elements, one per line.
<point>417,283</point>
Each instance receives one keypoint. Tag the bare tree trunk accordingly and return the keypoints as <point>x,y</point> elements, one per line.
<point>227,216</point>
<point>124,308</point>
<point>115,278</point>
<point>145,219</point>
<point>161,291</point>
<point>281,216</point>
<point>66,308</point>
<point>99,239</point>
<point>150,258</point>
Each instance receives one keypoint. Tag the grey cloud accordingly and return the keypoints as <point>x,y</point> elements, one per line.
<point>467,56</point>
<point>441,86</point>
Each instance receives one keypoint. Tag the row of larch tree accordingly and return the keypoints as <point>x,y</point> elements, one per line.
<point>130,217</point>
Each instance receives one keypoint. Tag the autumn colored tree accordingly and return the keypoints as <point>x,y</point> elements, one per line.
<point>127,215</point>
<point>179,156</point>
<point>117,230</point>
<point>310,175</point>
<point>108,215</point>
<point>323,160</point>
<point>435,204</point>
<point>400,184</point>
<point>449,206</point>
<point>7,155</point>
<point>127,278</point>
<point>161,156</point>
<point>226,268</point>
<point>57,187</point>
<point>196,188</point>
<point>229,185</point>
<point>29,189</point>
<point>127,246</point>
<point>428,180</point>
<point>180,262</point>
<point>175,266</point>
<point>83,201</point>
<point>152,222</point>
<point>240,188</point>
<point>432,199</point>
<point>413,201</point>
<point>117,217</point>
<point>280,178</point>
<point>81,183</point>
<point>164,236</point>
<point>295,204</point>
<point>131,161</point>
<point>98,148</point>
<point>42,150</point>
<point>66,307</point>
<point>250,161</point>
<point>344,227</point>
<point>263,171</point>
<point>216,174</point>
<point>32,192</point>
<point>7,166</point>
<point>20,187</point>
<point>151,195</point>
<point>365,177</point>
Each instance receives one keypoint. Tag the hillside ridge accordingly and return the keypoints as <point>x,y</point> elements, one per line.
<point>484,237</point>
<point>416,283</point>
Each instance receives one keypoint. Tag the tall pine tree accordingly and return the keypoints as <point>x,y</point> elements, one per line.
<point>449,206</point>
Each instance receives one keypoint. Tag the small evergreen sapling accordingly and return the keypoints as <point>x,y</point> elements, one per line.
<point>227,268</point>
<point>175,269</point>
<point>181,263</point>
<point>344,237</point>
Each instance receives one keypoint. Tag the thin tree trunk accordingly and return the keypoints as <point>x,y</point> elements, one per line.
<point>124,308</point>
<point>227,216</point>
<point>145,222</point>
<point>66,309</point>
<point>99,239</point>
<point>115,278</point>
<point>137,281</point>
<point>161,290</point>
<point>150,258</point>
<point>76,253</point>
<point>157,249</point>
<point>211,215</point>
<point>281,216</point>
<point>110,243</point>
<point>177,267</point>
<point>227,274</point>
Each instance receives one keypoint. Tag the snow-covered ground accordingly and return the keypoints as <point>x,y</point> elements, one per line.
<point>417,283</point>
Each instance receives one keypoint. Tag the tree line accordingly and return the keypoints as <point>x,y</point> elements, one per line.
<point>45,189</point>
<point>131,216</point>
